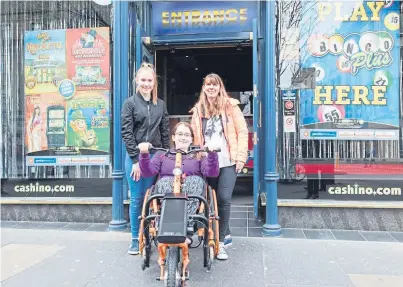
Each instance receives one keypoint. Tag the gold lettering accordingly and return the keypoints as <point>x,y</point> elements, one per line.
<point>186,13</point>
<point>229,17</point>
<point>176,17</point>
<point>324,9</point>
<point>218,16</point>
<point>375,9</point>
<point>207,17</point>
<point>342,95</point>
<point>243,14</point>
<point>379,95</point>
<point>195,16</point>
<point>165,18</point>
<point>327,95</point>
<point>359,12</point>
<point>360,95</point>
<point>338,11</point>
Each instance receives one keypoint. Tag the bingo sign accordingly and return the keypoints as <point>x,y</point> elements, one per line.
<point>354,47</point>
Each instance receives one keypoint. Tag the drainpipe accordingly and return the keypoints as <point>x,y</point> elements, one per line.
<point>120,92</point>
<point>271,227</point>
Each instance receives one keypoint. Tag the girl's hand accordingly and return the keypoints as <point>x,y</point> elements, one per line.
<point>135,173</point>
<point>239,166</point>
<point>143,147</point>
<point>211,147</point>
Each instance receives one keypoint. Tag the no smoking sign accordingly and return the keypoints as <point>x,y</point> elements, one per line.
<point>289,124</point>
<point>289,108</point>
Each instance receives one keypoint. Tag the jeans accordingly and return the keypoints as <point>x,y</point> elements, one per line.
<point>137,192</point>
<point>224,186</point>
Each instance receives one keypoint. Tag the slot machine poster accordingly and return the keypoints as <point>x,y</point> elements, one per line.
<point>39,110</point>
<point>88,58</point>
<point>67,102</point>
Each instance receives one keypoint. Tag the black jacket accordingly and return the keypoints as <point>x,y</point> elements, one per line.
<point>142,121</point>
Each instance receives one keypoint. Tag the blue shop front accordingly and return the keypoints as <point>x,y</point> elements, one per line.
<point>186,40</point>
<point>319,83</point>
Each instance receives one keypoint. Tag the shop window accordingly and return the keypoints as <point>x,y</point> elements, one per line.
<point>37,126</point>
<point>339,98</point>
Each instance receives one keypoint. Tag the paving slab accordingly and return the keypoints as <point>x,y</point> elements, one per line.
<point>99,258</point>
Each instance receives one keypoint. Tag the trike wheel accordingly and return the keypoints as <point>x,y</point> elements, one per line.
<point>210,257</point>
<point>173,277</point>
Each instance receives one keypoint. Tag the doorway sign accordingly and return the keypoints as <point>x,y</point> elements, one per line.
<point>197,17</point>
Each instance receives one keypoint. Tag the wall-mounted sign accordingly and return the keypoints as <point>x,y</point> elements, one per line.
<point>194,17</point>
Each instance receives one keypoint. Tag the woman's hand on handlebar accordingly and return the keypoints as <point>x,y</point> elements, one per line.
<point>135,173</point>
<point>211,147</point>
<point>144,147</point>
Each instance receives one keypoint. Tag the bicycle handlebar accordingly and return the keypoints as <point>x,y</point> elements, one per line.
<point>183,152</point>
<point>174,152</point>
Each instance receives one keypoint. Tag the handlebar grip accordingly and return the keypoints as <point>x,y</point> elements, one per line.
<point>216,150</point>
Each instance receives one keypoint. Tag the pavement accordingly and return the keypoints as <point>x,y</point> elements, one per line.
<point>56,256</point>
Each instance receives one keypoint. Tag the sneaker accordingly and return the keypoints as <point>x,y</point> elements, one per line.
<point>134,247</point>
<point>222,253</point>
<point>228,241</point>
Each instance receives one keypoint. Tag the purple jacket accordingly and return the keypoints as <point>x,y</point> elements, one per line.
<point>164,164</point>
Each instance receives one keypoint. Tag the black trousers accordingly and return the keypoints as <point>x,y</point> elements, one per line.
<point>313,185</point>
<point>224,186</point>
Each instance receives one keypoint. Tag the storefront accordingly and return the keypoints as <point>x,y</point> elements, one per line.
<point>337,92</point>
<point>55,99</point>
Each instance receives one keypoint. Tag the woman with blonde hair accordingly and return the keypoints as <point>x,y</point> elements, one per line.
<point>144,119</point>
<point>217,118</point>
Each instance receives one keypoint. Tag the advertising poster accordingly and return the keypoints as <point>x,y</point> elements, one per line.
<point>354,47</point>
<point>88,120</point>
<point>45,61</point>
<point>67,106</point>
<point>45,122</point>
<point>88,58</point>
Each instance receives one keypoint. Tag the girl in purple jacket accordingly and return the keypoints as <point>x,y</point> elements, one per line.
<point>193,166</point>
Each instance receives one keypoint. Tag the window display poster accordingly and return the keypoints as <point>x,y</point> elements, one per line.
<point>88,58</point>
<point>88,120</point>
<point>45,61</point>
<point>354,47</point>
<point>45,122</point>
<point>67,114</point>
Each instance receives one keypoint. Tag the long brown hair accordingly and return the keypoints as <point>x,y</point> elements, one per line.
<point>149,67</point>
<point>218,106</point>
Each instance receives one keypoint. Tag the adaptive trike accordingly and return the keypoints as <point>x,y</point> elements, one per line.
<point>165,221</point>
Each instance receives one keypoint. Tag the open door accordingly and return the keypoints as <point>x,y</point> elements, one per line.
<point>144,48</point>
<point>256,121</point>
